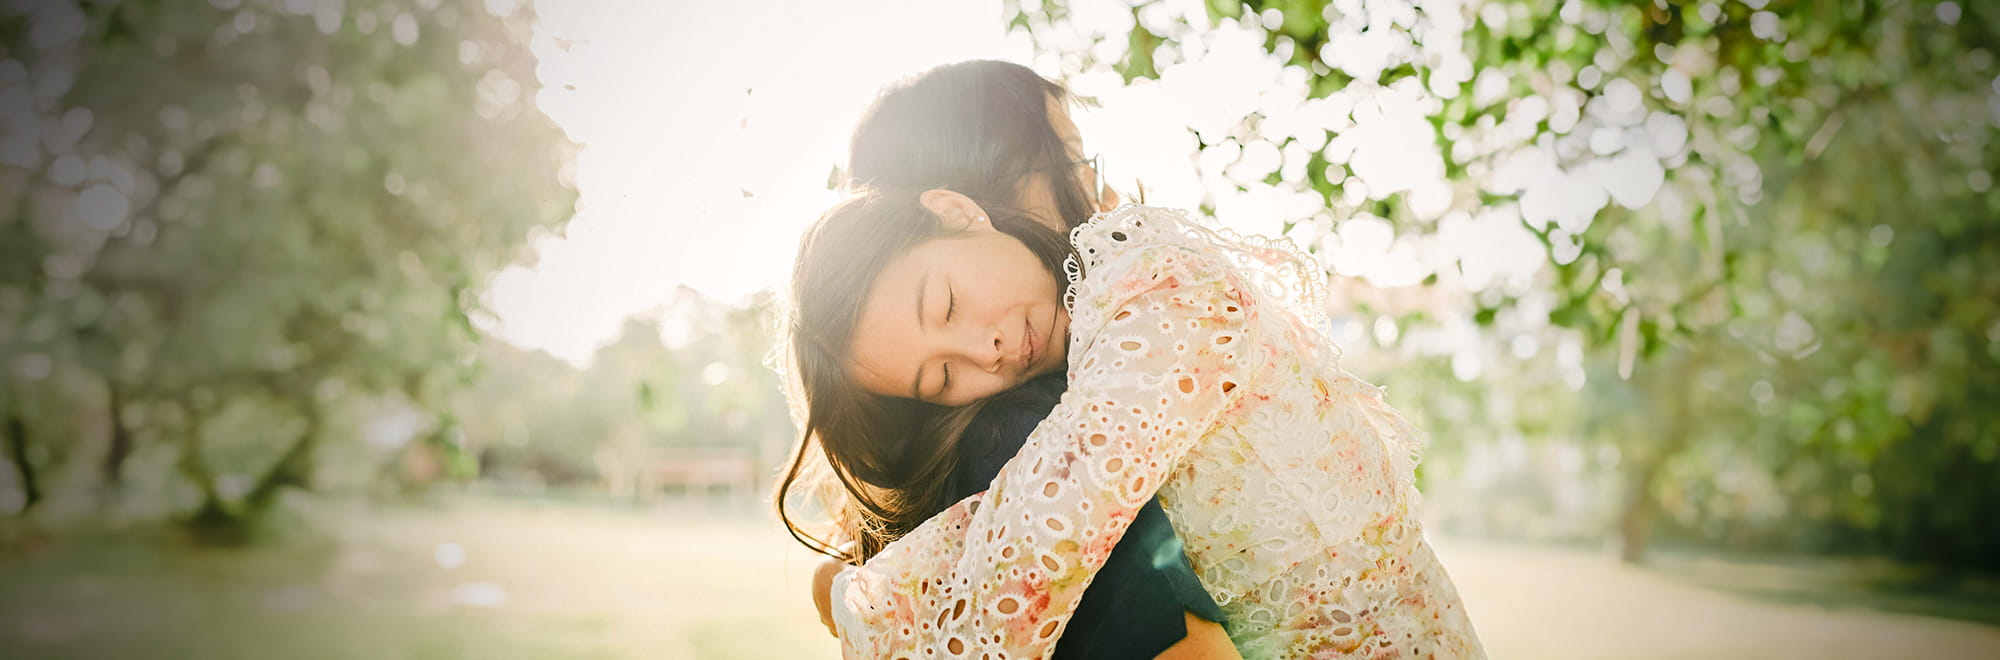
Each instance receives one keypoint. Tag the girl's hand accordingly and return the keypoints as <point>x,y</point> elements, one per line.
<point>822,592</point>
<point>1205,640</point>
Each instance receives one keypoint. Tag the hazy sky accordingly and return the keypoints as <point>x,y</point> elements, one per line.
<point>708,130</point>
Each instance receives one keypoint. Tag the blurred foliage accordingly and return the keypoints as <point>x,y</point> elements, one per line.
<point>234,232</point>
<point>241,244</point>
<point>1768,316</point>
<point>686,380</point>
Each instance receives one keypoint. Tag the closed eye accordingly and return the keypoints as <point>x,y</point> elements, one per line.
<point>950,309</point>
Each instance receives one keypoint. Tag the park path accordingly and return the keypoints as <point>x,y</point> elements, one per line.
<point>1555,604</point>
<point>1536,602</point>
<point>1530,602</point>
<point>541,579</point>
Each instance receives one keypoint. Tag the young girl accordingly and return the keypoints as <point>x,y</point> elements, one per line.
<point>1196,369</point>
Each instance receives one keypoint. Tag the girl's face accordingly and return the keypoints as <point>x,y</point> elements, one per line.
<point>958,319</point>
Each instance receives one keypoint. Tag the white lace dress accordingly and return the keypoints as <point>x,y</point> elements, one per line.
<point>1199,368</point>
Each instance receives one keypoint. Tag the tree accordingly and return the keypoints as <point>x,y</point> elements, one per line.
<point>250,216</point>
<point>688,375</point>
<point>1697,178</point>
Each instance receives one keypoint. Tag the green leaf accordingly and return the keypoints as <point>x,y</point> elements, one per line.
<point>1138,62</point>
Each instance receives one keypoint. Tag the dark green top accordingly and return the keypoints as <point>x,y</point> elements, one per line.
<point>1132,609</point>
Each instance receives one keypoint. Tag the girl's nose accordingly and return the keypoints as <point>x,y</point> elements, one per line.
<point>995,353</point>
<point>984,349</point>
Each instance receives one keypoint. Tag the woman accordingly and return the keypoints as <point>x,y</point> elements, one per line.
<point>1195,369</point>
<point>999,130</point>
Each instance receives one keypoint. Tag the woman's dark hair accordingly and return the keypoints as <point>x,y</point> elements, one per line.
<point>979,127</point>
<point>893,457</point>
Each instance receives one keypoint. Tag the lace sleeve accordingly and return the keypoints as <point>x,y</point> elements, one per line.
<point>1283,276</point>
<point>999,574</point>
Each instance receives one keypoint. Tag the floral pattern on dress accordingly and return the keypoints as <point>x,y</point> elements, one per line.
<point>1199,368</point>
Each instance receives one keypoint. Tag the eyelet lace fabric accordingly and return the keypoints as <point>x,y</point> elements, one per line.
<point>1199,369</point>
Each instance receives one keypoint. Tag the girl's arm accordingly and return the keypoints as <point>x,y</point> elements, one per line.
<point>1205,640</point>
<point>1003,570</point>
<point>822,592</point>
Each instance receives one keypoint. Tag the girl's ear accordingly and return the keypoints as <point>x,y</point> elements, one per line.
<point>955,211</point>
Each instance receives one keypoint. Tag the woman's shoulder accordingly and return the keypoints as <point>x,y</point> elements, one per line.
<point>1128,258</point>
<point>1135,240</point>
<point>1133,246</point>
<point>1119,232</point>
<point>1135,232</point>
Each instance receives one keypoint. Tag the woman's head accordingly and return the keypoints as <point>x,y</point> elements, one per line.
<point>910,308</point>
<point>992,130</point>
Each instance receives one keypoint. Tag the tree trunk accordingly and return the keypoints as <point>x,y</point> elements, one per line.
<point>213,522</point>
<point>293,469</point>
<point>1635,513</point>
<point>121,443</point>
<point>217,522</point>
<point>17,450</point>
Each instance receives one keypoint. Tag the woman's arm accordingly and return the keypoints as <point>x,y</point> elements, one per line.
<point>1132,608</point>
<point>1003,570</point>
<point>1136,604</point>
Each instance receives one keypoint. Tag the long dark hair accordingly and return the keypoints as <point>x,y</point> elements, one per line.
<point>878,466</point>
<point>979,127</point>
<point>893,457</point>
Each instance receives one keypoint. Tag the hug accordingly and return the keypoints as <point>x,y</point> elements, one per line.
<point>1042,424</point>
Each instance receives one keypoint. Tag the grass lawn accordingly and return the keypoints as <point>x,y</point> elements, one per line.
<point>494,579</point>
<point>525,581</point>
